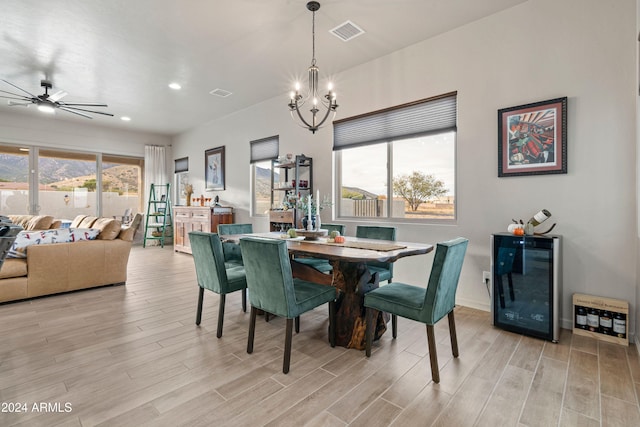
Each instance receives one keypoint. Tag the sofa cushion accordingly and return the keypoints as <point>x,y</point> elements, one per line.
<point>13,268</point>
<point>87,222</point>
<point>24,239</point>
<point>39,222</point>
<point>109,228</point>
<point>76,221</point>
<point>57,223</point>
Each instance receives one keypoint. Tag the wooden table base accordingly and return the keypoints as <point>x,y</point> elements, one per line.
<point>352,280</point>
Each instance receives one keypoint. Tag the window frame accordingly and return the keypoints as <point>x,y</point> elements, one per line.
<point>388,217</point>
<point>272,144</point>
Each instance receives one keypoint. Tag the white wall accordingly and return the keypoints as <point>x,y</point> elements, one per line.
<point>541,49</point>
<point>33,128</point>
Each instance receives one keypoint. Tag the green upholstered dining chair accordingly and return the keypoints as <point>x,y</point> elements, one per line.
<point>273,289</point>
<point>214,275</point>
<point>384,269</point>
<point>319,263</point>
<point>423,305</point>
<point>232,250</point>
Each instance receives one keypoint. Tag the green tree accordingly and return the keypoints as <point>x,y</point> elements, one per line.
<point>418,188</point>
<point>89,184</point>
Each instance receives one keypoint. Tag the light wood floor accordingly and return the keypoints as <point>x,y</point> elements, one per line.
<point>133,356</point>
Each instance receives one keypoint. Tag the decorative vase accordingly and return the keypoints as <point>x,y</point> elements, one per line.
<point>305,222</point>
<point>189,199</point>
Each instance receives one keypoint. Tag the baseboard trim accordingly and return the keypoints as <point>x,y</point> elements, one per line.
<point>473,304</point>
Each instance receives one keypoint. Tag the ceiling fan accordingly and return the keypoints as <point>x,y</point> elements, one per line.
<point>49,103</point>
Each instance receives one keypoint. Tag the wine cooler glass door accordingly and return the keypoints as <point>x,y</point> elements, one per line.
<point>523,284</point>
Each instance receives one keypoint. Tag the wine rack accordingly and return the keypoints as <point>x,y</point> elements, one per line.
<point>612,314</point>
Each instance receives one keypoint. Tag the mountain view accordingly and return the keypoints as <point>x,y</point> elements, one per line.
<point>68,173</point>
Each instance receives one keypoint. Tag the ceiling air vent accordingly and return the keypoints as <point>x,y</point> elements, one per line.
<point>220,92</point>
<point>347,31</point>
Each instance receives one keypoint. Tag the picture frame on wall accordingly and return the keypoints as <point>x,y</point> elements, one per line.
<point>532,139</point>
<point>214,169</point>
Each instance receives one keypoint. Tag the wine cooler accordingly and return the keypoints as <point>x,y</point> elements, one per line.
<point>526,275</point>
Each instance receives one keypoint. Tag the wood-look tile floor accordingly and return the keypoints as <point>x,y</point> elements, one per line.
<point>133,356</point>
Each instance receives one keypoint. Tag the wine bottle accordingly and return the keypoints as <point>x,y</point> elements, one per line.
<point>539,218</point>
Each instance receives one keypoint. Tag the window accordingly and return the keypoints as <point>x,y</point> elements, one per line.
<point>68,183</point>
<point>181,179</point>
<point>262,152</point>
<point>398,164</point>
<point>121,185</point>
<point>14,180</point>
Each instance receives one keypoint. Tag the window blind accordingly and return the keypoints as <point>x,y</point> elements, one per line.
<point>428,116</point>
<point>265,149</point>
<point>181,165</point>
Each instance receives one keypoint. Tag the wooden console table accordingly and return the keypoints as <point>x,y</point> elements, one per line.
<point>197,218</point>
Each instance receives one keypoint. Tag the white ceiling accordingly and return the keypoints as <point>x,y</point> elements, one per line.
<point>125,52</point>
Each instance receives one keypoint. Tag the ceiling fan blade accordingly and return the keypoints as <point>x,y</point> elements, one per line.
<point>25,99</point>
<point>66,107</point>
<point>19,88</point>
<point>75,112</point>
<point>17,94</point>
<point>80,104</point>
<point>18,104</point>
<point>58,95</point>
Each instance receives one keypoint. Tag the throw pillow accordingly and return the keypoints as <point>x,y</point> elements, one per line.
<point>109,228</point>
<point>24,239</point>
<point>87,222</point>
<point>78,234</point>
<point>39,222</point>
<point>76,221</point>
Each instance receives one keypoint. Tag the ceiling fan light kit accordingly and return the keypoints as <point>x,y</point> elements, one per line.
<point>50,103</point>
<point>327,101</point>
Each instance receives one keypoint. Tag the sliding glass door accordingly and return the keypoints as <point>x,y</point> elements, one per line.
<point>14,180</point>
<point>65,184</point>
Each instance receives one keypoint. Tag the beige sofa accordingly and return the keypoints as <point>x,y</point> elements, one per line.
<point>62,267</point>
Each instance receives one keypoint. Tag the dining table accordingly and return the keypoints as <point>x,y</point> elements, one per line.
<point>349,275</point>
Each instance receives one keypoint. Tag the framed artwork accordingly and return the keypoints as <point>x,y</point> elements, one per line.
<point>214,169</point>
<point>532,138</point>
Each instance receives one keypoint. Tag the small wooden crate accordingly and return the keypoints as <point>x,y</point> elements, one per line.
<point>601,303</point>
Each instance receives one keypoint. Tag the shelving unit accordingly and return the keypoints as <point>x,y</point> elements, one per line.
<point>158,218</point>
<point>286,189</point>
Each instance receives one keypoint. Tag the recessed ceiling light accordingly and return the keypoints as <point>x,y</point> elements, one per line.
<point>175,86</point>
<point>125,119</point>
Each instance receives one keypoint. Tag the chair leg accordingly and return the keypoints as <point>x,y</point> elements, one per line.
<point>433,355</point>
<point>394,326</point>
<point>223,297</point>
<point>452,334</point>
<point>252,329</point>
<point>368,331</point>
<point>332,323</point>
<point>266,316</point>
<point>297,324</point>
<point>287,346</point>
<point>199,309</point>
<point>244,300</point>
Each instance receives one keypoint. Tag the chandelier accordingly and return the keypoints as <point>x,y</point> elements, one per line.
<point>327,101</point>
